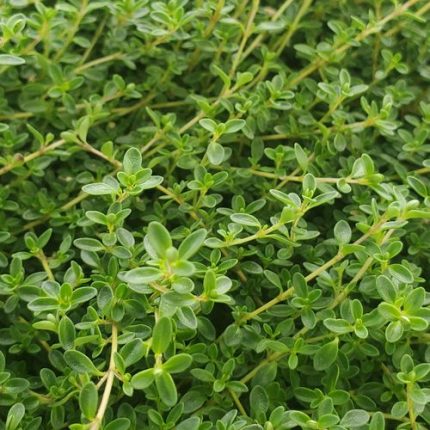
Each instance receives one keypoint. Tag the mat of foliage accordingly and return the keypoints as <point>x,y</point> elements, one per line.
<point>214,215</point>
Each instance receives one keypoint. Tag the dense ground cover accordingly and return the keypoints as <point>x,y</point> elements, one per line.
<point>214,214</point>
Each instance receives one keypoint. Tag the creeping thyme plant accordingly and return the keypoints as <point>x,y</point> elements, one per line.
<point>214,215</point>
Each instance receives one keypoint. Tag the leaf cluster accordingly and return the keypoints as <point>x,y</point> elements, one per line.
<point>214,215</point>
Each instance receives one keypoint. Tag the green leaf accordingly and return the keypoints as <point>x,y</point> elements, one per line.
<point>15,385</point>
<point>158,238</point>
<point>132,352</point>
<point>118,424</point>
<point>11,60</point>
<point>243,78</point>
<point>245,219</point>
<point>301,157</point>
<point>166,388</point>
<point>192,423</point>
<point>389,311</point>
<point>324,198</point>
<point>215,153</point>
<point>377,422</point>
<point>337,325</point>
<point>15,416</point>
<point>355,418</point>
<point>418,323</point>
<point>418,186</point>
<point>132,161</point>
<point>234,125</point>
<point>286,199</point>
<point>178,363</point>
<point>309,184</point>
<point>202,375</point>
<point>191,244</point>
<point>36,134</point>
<point>414,300</point>
<point>209,283</point>
<point>88,400</point>
<point>143,379</point>
<point>99,189</point>
<point>273,278</point>
<point>394,331</point>
<point>342,232</point>
<point>216,70</point>
<point>259,401</point>
<point>300,285</point>
<point>386,289</point>
<point>162,335</point>
<point>96,217</point>
<point>421,371</point>
<point>88,244</point>
<point>82,295</point>
<point>43,304</point>
<point>79,362</point>
<point>401,273</point>
<point>43,239</point>
<point>66,332</point>
<point>326,355</point>
<point>300,418</point>
<point>208,124</point>
<point>141,275</point>
<point>399,409</point>
<point>187,316</point>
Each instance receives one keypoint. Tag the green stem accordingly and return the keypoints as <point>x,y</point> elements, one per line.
<point>319,62</point>
<point>45,264</point>
<point>98,61</point>
<point>73,30</point>
<point>96,424</point>
<point>294,178</point>
<point>41,151</point>
<point>410,403</point>
<point>257,41</point>
<point>283,42</point>
<point>288,293</point>
<point>237,402</point>
<point>246,34</point>
<point>94,40</point>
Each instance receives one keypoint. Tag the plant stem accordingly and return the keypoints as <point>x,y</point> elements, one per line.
<point>259,235</point>
<point>95,425</point>
<point>94,40</point>
<point>42,258</point>
<point>65,207</point>
<point>214,18</point>
<point>410,403</point>
<point>41,151</point>
<point>283,42</point>
<point>211,26</point>
<point>288,293</point>
<point>359,124</point>
<point>344,294</point>
<point>319,62</point>
<point>246,34</point>
<point>87,147</point>
<point>294,178</point>
<point>73,30</point>
<point>98,61</point>
<point>257,41</point>
<point>237,402</point>
<point>399,26</point>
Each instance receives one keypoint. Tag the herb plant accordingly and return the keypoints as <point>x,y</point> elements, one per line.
<point>214,214</point>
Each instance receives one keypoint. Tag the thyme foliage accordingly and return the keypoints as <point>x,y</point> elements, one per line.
<point>214,214</point>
